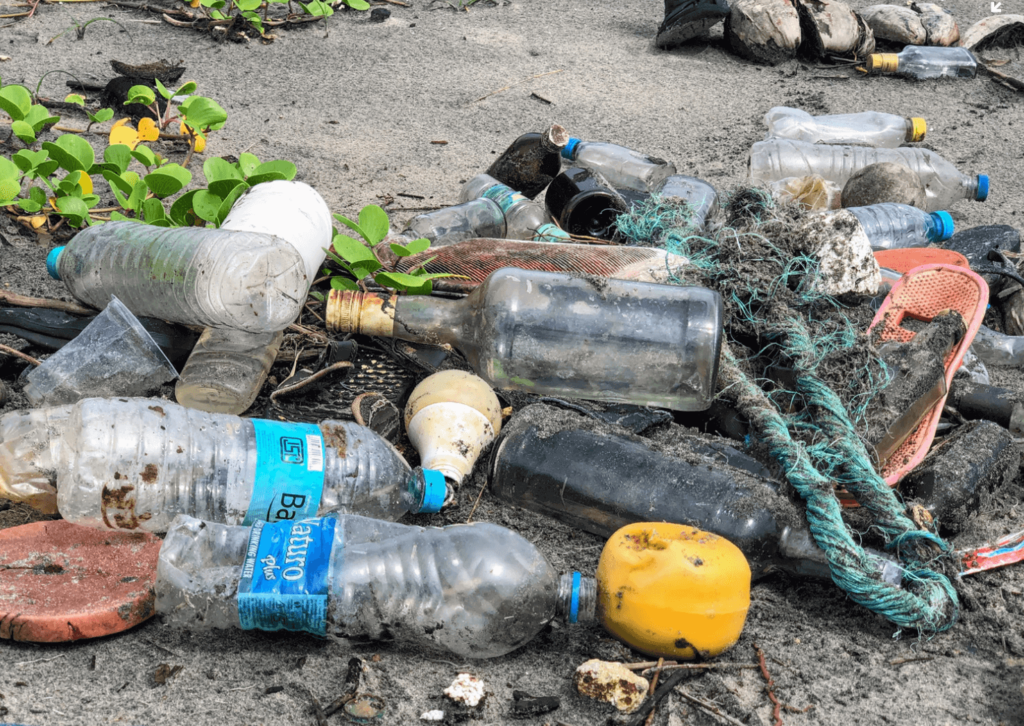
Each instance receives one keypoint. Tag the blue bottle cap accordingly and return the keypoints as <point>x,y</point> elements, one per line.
<point>943,228</point>
<point>982,194</point>
<point>569,150</point>
<point>51,262</point>
<point>435,490</point>
<point>574,601</point>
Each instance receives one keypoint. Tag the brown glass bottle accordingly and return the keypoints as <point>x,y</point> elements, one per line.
<point>531,161</point>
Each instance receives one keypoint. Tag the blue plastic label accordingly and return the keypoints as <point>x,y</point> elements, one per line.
<point>285,576</point>
<point>505,197</point>
<point>289,472</point>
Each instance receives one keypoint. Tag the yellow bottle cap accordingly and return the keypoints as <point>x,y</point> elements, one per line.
<point>883,62</point>
<point>918,129</point>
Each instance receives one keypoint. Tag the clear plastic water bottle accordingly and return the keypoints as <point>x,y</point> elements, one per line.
<point>524,218</point>
<point>870,128</point>
<point>701,197</point>
<point>944,185</point>
<point>892,226</point>
<point>469,220</point>
<point>477,590</point>
<point>135,464</point>
<point>29,451</point>
<point>192,275</point>
<point>998,349</point>
<point>926,62</point>
<point>622,167</point>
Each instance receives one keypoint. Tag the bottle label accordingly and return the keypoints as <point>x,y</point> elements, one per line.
<point>285,576</point>
<point>550,233</point>
<point>289,472</point>
<point>505,197</point>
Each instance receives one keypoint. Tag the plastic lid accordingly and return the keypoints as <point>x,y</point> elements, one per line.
<point>435,490</point>
<point>569,150</point>
<point>919,128</point>
<point>883,62</point>
<point>51,259</point>
<point>943,229</point>
<point>982,194</point>
<point>574,602</point>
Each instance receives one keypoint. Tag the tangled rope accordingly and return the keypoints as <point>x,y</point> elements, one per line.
<point>819,445</point>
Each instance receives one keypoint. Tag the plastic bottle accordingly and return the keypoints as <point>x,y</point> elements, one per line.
<point>227,368</point>
<point>870,128</point>
<point>555,334</point>
<point>531,161</point>
<point>926,62</point>
<point>524,218</point>
<point>29,451</point>
<point>192,275</point>
<point>944,185</point>
<point>701,197</point>
<point>477,590</point>
<point>476,218</point>
<point>622,167</point>
<point>890,226</point>
<point>998,349</point>
<point>135,464</point>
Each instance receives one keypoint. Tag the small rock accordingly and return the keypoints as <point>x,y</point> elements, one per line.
<point>435,715</point>
<point>884,182</point>
<point>466,689</point>
<point>612,683</point>
<point>379,15</point>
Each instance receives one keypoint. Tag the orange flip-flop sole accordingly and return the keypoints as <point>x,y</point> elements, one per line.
<point>60,581</point>
<point>906,259</point>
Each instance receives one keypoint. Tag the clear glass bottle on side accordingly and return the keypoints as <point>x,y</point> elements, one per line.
<point>778,159</point>
<point>926,62</point>
<point>531,161</point>
<point>524,218</point>
<point>469,220</point>
<point>555,334</point>
<point>477,590</point>
<point>869,128</point>
<point>701,197</point>
<point>622,167</point>
<point>892,226</point>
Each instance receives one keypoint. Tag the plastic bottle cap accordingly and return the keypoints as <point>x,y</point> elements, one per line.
<point>982,194</point>
<point>883,62</point>
<point>943,226</point>
<point>435,490</point>
<point>920,128</point>
<point>574,603</point>
<point>569,150</point>
<point>51,259</point>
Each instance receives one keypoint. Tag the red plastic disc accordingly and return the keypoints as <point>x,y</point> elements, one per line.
<point>61,581</point>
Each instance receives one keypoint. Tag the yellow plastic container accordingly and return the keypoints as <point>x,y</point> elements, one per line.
<point>672,591</point>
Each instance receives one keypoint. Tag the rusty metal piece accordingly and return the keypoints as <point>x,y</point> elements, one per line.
<point>360,312</point>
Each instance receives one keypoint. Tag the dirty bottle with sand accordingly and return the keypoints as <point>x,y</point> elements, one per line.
<point>477,590</point>
<point>135,464</point>
<point>29,450</point>
<point>469,220</point>
<point>524,218</point>
<point>557,334</point>
<point>926,62</point>
<point>622,167</point>
<point>531,161</point>
<point>700,198</point>
<point>868,128</point>
<point>891,226</point>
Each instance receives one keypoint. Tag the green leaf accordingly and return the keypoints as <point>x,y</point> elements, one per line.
<point>8,169</point>
<point>153,211</point>
<point>247,5</point>
<point>38,117</point>
<point>76,99</point>
<point>418,245</point>
<point>163,90</point>
<point>15,101</point>
<point>247,163</point>
<point>119,154</point>
<point>228,202</point>
<point>364,268</point>
<point>168,179</point>
<point>44,170</point>
<point>29,205</point>
<point>224,187</point>
<point>138,194</point>
<point>118,183</point>
<point>9,190</point>
<point>140,94</point>
<point>182,213</point>
<point>24,132</point>
<point>28,160</point>
<point>217,14</point>
<point>351,250</point>
<point>118,217</point>
<point>72,153</point>
<point>255,20</point>
<point>98,169</point>
<point>343,283</point>
<point>351,225</point>
<point>73,209</point>
<point>216,169</point>
<point>91,200</point>
<point>201,113</point>
<point>317,8</point>
<point>206,205</point>
<point>358,4</point>
<point>102,116</point>
<point>189,87</point>
<point>69,187</point>
<point>38,196</point>
<point>374,222</point>
<point>144,155</point>
<point>268,177</point>
<point>399,280</point>
<point>400,251</point>
<point>280,166</point>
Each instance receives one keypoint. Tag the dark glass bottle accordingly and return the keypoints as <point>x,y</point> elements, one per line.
<point>531,161</point>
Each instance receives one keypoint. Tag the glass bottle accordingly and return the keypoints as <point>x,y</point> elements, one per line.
<point>524,218</point>
<point>531,161</point>
<point>622,167</point>
<point>926,62</point>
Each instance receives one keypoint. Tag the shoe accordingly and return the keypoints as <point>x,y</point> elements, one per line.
<point>688,19</point>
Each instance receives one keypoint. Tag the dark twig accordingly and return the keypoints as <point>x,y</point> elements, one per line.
<point>318,711</point>
<point>711,708</point>
<point>24,301</point>
<point>671,666</point>
<point>666,688</point>
<point>654,687</point>
<point>19,354</point>
<point>777,706</point>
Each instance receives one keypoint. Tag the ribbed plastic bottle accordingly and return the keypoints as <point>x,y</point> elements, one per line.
<point>869,128</point>
<point>192,275</point>
<point>524,218</point>
<point>227,368</point>
<point>926,62</point>
<point>477,590</point>
<point>135,464</point>
<point>29,451</point>
<point>892,226</point>
<point>622,167</point>
<point>469,220</point>
<point>944,184</point>
<point>531,161</point>
<point>700,197</point>
<point>561,335</point>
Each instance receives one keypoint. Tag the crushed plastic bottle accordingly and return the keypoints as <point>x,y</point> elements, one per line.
<point>891,226</point>
<point>622,167</point>
<point>470,220</point>
<point>524,218</point>
<point>926,62</point>
<point>531,161</point>
<point>869,128</point>
<point>944,185</point>
<point>135,464</point>
<point>192,275</point>
<point>555,334</point>
<point>29,452</point>
<point>477,590</point>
